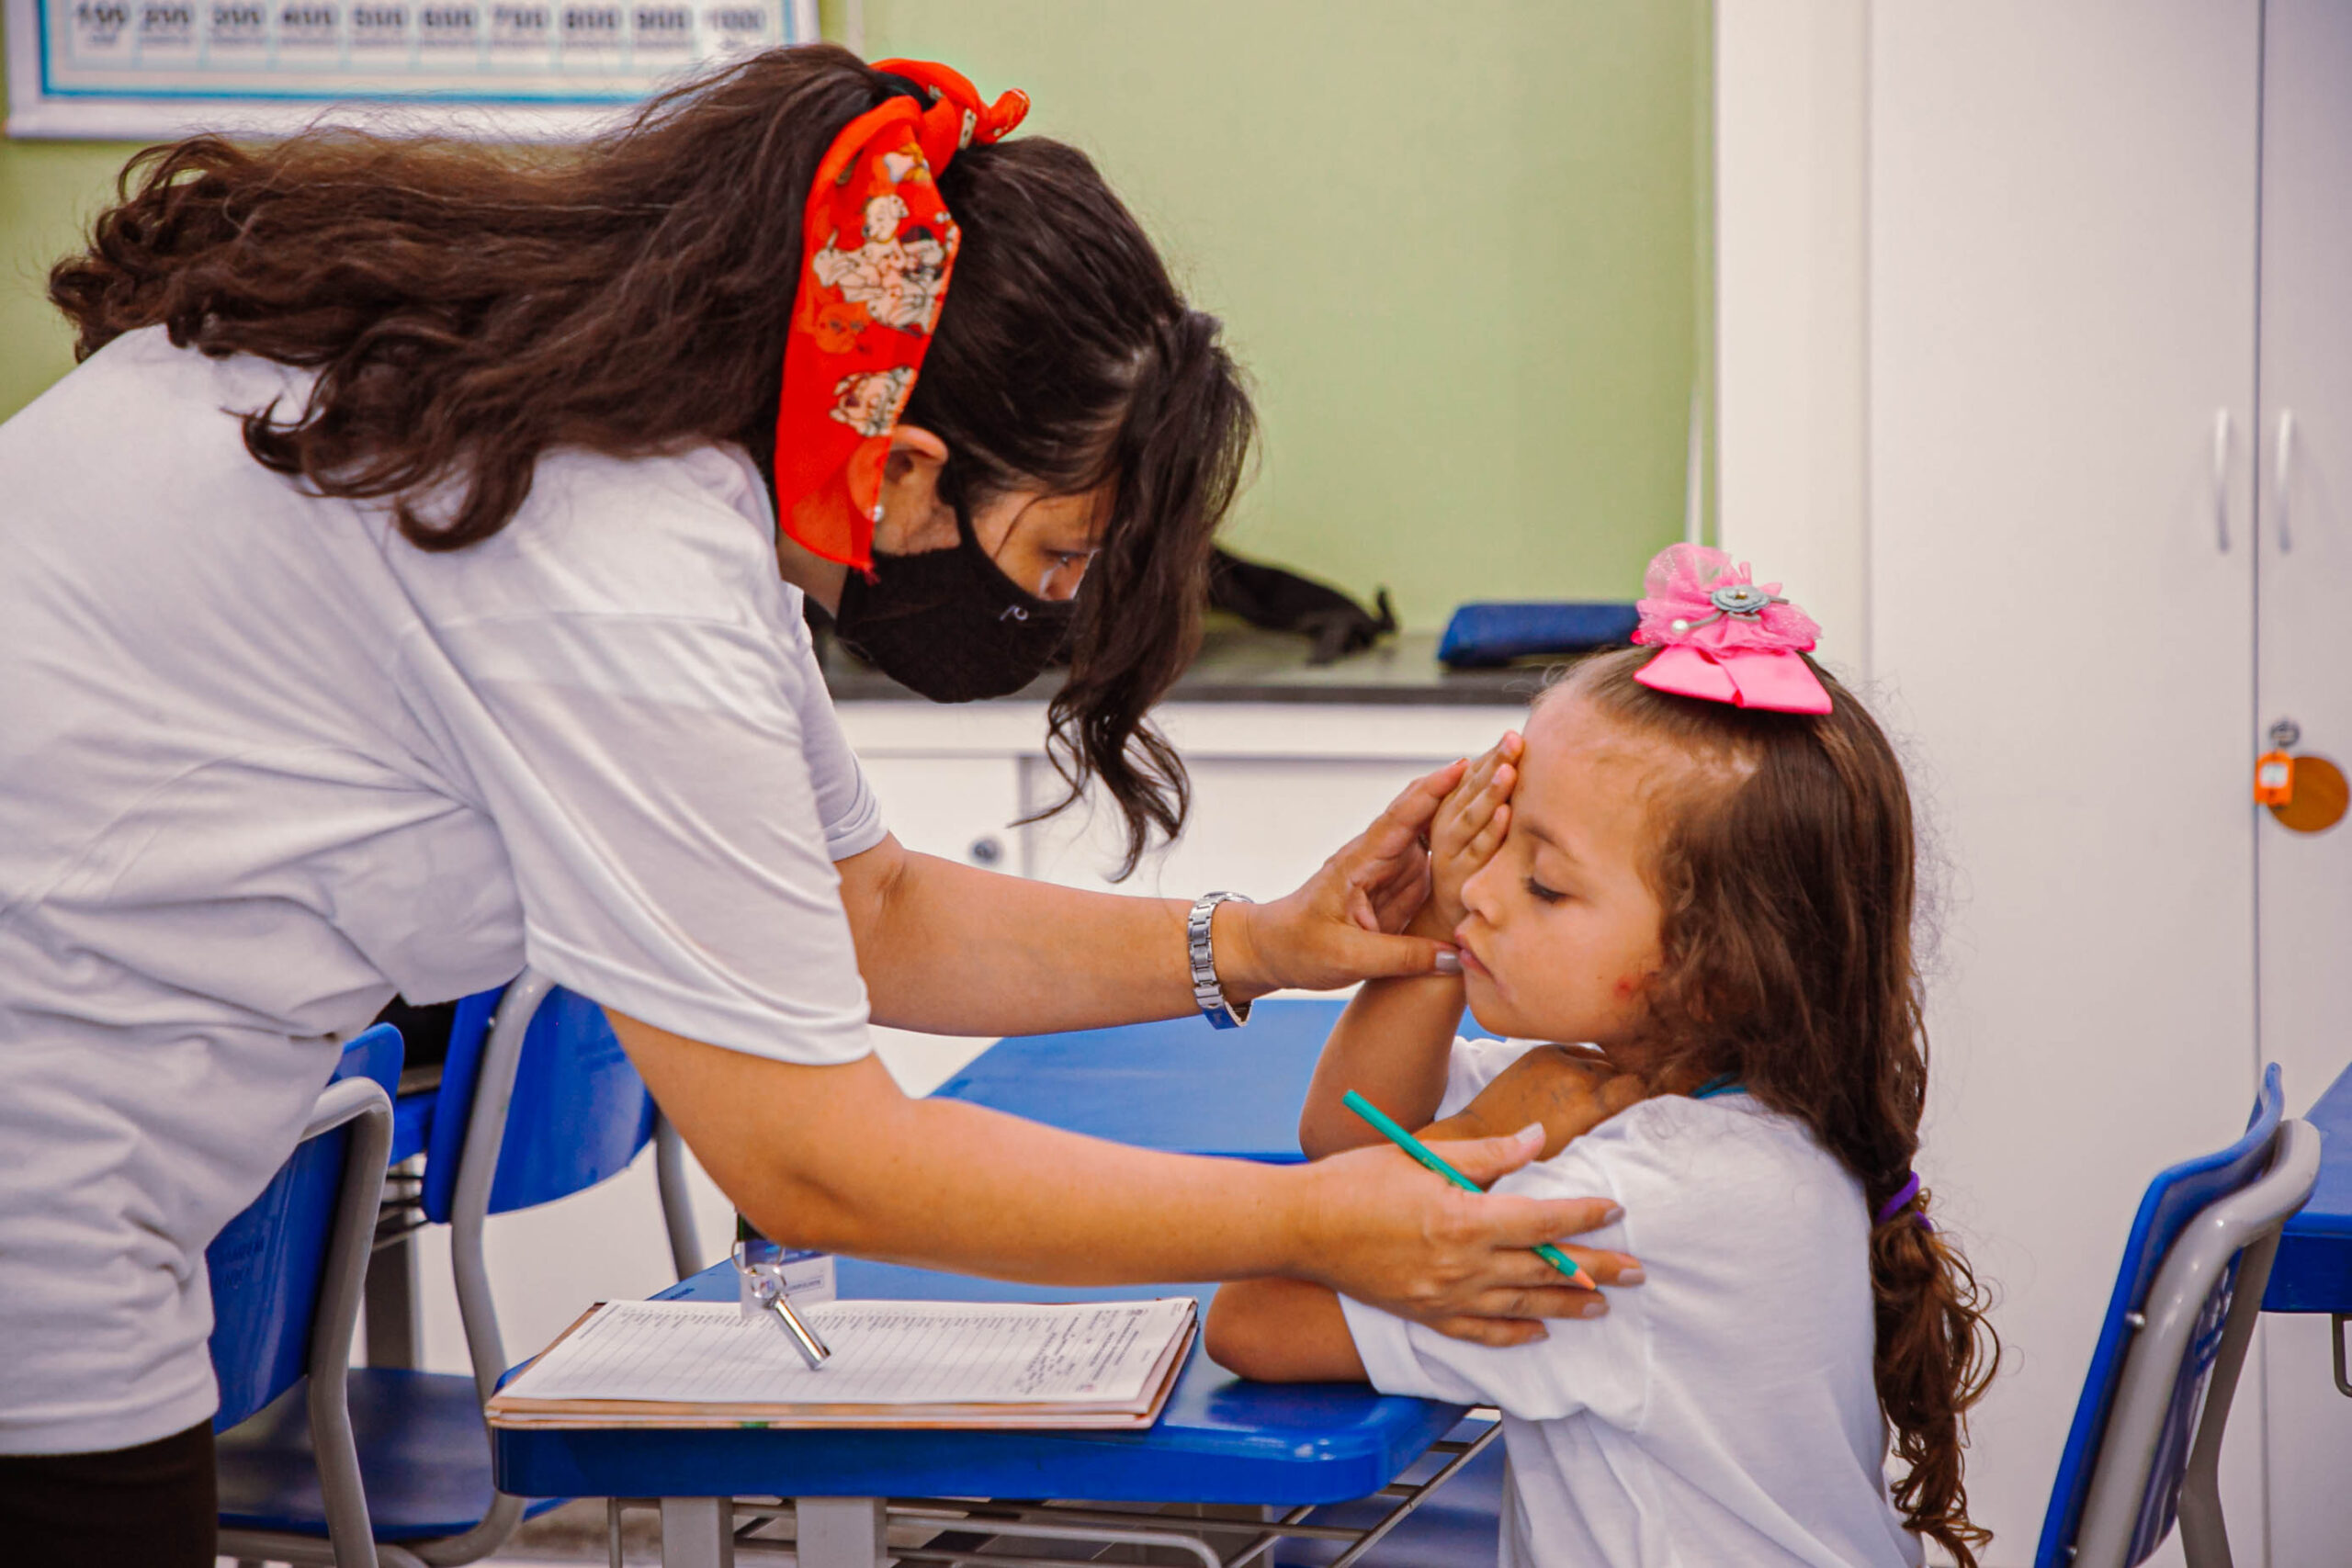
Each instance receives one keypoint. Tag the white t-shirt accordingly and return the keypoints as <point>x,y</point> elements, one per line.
<point>1722,1413</point>
<point>263,763</point>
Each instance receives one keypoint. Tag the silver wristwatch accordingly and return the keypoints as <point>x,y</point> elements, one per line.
<point>1206,988</point>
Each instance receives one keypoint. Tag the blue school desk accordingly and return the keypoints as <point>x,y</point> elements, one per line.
<point>1219,1441</point>
<point>1178,1086</point>
<point>2313,1269</point>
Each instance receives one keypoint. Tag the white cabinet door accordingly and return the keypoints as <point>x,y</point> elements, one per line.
<point>2063,300</point>
<point>2306,549</point>
<point>1257,827</point>
<point>958,807</point>
<point>1276,787</point>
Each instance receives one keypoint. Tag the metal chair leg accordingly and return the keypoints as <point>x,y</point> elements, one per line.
<point>2204,1538</point>
<point>677,1202</point>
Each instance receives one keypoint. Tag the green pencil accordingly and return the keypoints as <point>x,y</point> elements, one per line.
<point>1421,1151</point>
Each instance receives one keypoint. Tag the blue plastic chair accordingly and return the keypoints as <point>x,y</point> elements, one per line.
<point>286,1278</point>
<point>2145,1445</point>
<point>537,1102</point>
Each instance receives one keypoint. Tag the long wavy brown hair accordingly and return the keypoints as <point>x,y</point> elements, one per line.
<point>1787,877</point>
<point>469,309</point>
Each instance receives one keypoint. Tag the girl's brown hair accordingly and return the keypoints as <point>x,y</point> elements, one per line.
<point>1786,877</point>
<point>467,308</point>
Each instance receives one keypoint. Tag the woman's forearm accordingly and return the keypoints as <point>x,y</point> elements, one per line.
<point>955,950</point>
<point>835,1157</point>
<point>951,949</point>
<point>958,1187</point>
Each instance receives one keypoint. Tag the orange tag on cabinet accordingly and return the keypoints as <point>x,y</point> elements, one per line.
<point>2274,779</point>
<point>2320,797</point>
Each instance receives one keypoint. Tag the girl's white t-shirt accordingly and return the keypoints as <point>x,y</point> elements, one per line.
<point>263,763</point>
<point>1723,1412</point>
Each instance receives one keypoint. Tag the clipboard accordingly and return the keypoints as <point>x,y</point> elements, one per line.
<point>1009,1366</point>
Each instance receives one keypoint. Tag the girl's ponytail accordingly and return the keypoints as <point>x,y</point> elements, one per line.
<point>1936,1354</point>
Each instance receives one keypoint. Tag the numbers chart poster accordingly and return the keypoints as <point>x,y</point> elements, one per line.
<point>504,68</point>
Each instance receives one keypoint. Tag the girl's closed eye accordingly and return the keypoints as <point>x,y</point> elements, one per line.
<point>1547,895</point>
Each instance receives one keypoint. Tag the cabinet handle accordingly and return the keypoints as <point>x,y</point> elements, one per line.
<point>2221,479</point>
<point>2283,471</point>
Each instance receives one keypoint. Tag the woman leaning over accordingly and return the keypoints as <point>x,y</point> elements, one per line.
<point>395,596</point>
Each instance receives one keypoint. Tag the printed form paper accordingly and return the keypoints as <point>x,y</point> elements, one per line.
<point>884,1353</point>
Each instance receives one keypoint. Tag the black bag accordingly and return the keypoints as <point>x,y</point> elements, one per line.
<point>1279,601</point>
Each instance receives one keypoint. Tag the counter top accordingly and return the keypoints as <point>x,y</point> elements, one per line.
<point>1244,665</point>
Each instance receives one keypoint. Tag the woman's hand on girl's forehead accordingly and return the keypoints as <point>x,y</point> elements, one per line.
<point>1347,922</point>
<point>1467,830</point>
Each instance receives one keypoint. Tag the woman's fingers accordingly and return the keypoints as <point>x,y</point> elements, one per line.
<point>1396,899</point>
<point>1512,1313</point>
<point>1500,1332</point>
<point>1400,826</point>
<point>1373,884</point>
<point>1395,836</point>
<point>1375,955</point>
<point>1486,1160</point>
<point>1518,1270</point>
<point>1605,1268</point>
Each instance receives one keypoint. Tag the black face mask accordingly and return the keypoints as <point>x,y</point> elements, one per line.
<point>948,625</point>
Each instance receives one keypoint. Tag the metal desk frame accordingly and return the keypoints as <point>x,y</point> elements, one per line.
<point>854,1532</point>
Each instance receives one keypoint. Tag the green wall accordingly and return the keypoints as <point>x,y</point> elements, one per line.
<point>48,191</point>
<point>1460,248</point>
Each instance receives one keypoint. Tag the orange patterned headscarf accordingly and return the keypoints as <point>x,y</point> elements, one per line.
<point>877,246</point>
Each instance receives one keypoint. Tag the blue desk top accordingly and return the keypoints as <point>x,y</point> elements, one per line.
<point>1181,1086</point>
<point>1219,1441</point>
<point>2313,1270</point>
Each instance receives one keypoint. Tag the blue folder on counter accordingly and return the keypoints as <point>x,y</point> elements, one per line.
<point>1481,636</point>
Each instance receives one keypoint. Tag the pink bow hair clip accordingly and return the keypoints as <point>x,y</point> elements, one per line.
<point>1723,639</point>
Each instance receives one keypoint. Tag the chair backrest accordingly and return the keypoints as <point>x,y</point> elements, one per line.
<point>579,1111</point>
<point>2173,1202</point>
<point>267,1264</point>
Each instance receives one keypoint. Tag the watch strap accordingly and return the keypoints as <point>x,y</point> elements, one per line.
<point>1201,953</point>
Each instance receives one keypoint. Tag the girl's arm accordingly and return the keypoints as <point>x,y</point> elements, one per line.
<point>1392,1043</point>
<point>1291,1331</point>
<point>1390,1046</point>
<point>1281,1331</point>
<point>1567,1091</point>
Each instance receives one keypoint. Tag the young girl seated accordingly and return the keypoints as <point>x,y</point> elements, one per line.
<point>1699,862</point>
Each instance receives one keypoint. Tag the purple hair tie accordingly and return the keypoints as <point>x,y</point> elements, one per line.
<point>1895,1205</point>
